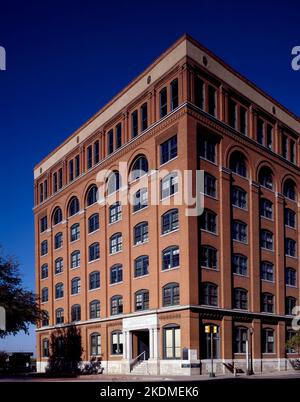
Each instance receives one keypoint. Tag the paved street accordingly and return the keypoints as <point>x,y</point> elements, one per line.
<point>290,375</point>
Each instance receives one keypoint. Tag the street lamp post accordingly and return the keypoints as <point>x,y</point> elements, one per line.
<point>211,329</point>
<point>250,367</point>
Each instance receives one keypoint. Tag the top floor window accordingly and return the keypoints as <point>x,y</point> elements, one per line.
<point>118,135</point>
<point>89,157</point>
<point>168,150</point>
<point>163,102</point>
<point>144,116</point>
<point>238,164</point>
<point>96,152</point>
<point>212,100</point>
<point>134,124</point>
<point>110,141</point>
<point>174,94</point>
<point>208,148</point>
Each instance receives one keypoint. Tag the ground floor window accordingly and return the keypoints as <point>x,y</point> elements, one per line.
<point>267,340</point>
<point>206,343</point>
<point>172,347</point>
<point>240,339</point>
<point>289,335</point>
<point>95,344</point>
<point>45,348</point>
<point>117,343</point>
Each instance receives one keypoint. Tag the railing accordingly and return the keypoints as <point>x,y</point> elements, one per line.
<point>136,360</point>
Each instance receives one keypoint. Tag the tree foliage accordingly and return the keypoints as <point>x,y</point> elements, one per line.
<point>20,304</point>
<point>294,342</point>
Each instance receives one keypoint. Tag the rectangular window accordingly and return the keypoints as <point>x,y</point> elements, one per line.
<point>174,94</point>
<point>168,150</point>
<point>208,149</point>
<point>284,146</point>
<point>89,158</point>
<point>41,192</point>
<point>212,109</point>
<point>144,116</point>
<point>172,347</point>
<point>96,152</point>
<point>134,124</point>
<point>292,151</point>
<point>260,131</point>
<point>55,182</point>
<point>199,92</point>
<point>163,102</point>
<point>110,141</point>
<point>60,178</point>
<point>118,135</point>
<point>43,224</point>
<point>232,113</point>
<point>46,189</point>
<point>71,170</point>
<point>239,231</point>
<point>77,166</point>
<point>243,120</point>
<point>269,139</point>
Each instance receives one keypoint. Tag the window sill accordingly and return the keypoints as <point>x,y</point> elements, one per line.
<point>267,249</point>
<point>116,283</point>
<point>170,269</point>
<point>94,231</point>
<point>74,241</point>
<point>240,242</point>
<point>240,208</point>
<point>94,290</point>
<point>212,233</point>
<point>171,231</point>
<point>117,252</point>
<point>141,276</point>
<point>139,210</point>
<point>91,262</point>
<point>141,243</point>
<point>71,269</point>
<point>170,160</point>
<point>112,223</point>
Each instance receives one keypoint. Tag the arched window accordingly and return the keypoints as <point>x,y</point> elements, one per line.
<point>290,247</point>
<point>290,277</point>
<point>171,341</point>
<point>45,319</point>
<point>44,271</point>
<point>206,342</point>
<point>45,295</point>
<point>59,316</point>
<point>238,164</point>
<point>267,303</point>
<point>265,177</point>
<point>140,199</point>
<point>267,271</point>
<point>142,300</point>
<point>209,257</point>
<point>209,294</point>
<point>113,182</point>
<point>59,290</point>
<point>240,299</point>
<point>75,259</point>
<point>116,273</point>
<point>75,232</point>
<point>290,218</point>
<point>93,223</point>
<point>240,339</point>
<point>115,243</point>
<point>266,208</point>
<point>57,216</point>
<point>170,257</point>
<point>240,264</point>
<point>141,266</point>
<point>289,189</point>
<point>94,252</point>
<point>59,265</point>
<point>76,313</point>
<point>94,309</point>
<point>268,341</point>
<point>45,347</point>
<point>73,206</point>
<point>92,195</point>
<point>116,305</point>
<point>139,167</point>
<point>169,221</point>
<point>140,233</point>
<point>266,239</point>
<point>208,221</point>
<point>171,294</point>
<point>94,280</point>
<point>115,212</point>
<point>58,240</point>
<point>239,197</point>
<point>117,343</point>
<point>290,304</point>
<point>44,247</point>
<point>95,344</point>
<point>75,286</point>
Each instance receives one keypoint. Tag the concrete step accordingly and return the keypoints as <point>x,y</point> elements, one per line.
<point>140,368</point>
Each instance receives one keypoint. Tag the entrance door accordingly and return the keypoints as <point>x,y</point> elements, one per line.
<point>143,343</point>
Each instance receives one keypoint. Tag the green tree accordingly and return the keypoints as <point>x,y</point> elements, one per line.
<point>65,350</point>
<point>20,304</point>
<point>294,342</point>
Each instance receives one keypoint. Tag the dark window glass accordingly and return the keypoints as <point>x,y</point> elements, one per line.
<point>140,199</point>
<point>59,266</point>
<point>208,149</point>
<point>94,280</point>
<point>58,240</point>
<point>240,264</point>
<point>290,277</point>
<point>267,303</point>
<point>240,299</point>
<point>59,316</point>
<point>240,339</point>
<point>71,170</point>
<point>290,247</point>
<point>89,158</point>
<point>74,206</point>
<point>139,168</point>
<point>95,309</point>
<point>243,120</point>
<point>115,212</point>
<point>266,208</point>
<point>144,116</point>
<point>289,190</point>
<point>174,94</point>
<point>209,221</point>
<point>265,178</point>
<point>76,313</point>
<point>93,223</point>
<point>169,185</point>
<point>290,304</point>
<point>170,257</point>
<point>212,104</point>
<point>118,135</point>
<point>168,149</point>
<point>92,196</point>
<point>57,216</point>
<point>94,252</point>
<point>170,221</point>
<point>171,295</point>
<point>116,273</point>
<point>75,286</point>
<point>141,233</point>
<point>44,271</point>
<point>141,266</point>
<point>45,295</point>
<point>210,187</point>
<point>238,164</point>
<point>43,224</point>
<point>75,259</point>
<point>75,232</point>
<point>116,305</point>
<point>290,218</point>
<point>110,141</point>
<point>199,92</point>
<point>55,182</point>
<point>269,139</point>
<point>267,271</point>
<point>59,290</point>
<point>266,239</point>
<point>77,165</point>
<point>209,257</point>
<point>44,247</point>
<point>163,102</point>
<point>96,152</point>
<point>239,231</point>
<point>260,131</point>
<point>134,124</point>
<point>292,151</point>
<point>239,197</point>
<point>60,178</point>
<point>232,113</point>
<point>209,294</point>
<point>267,340</point>
<point>284,146</point>
<point>142,300</point>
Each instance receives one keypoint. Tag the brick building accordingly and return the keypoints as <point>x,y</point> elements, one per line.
<point>144,280</point>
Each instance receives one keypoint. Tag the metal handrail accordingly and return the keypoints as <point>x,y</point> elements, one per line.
<point>136,359</point>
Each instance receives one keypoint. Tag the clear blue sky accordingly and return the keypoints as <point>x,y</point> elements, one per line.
<point>66,59</point>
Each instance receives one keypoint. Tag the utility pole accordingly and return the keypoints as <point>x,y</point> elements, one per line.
<point>211,329</point>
